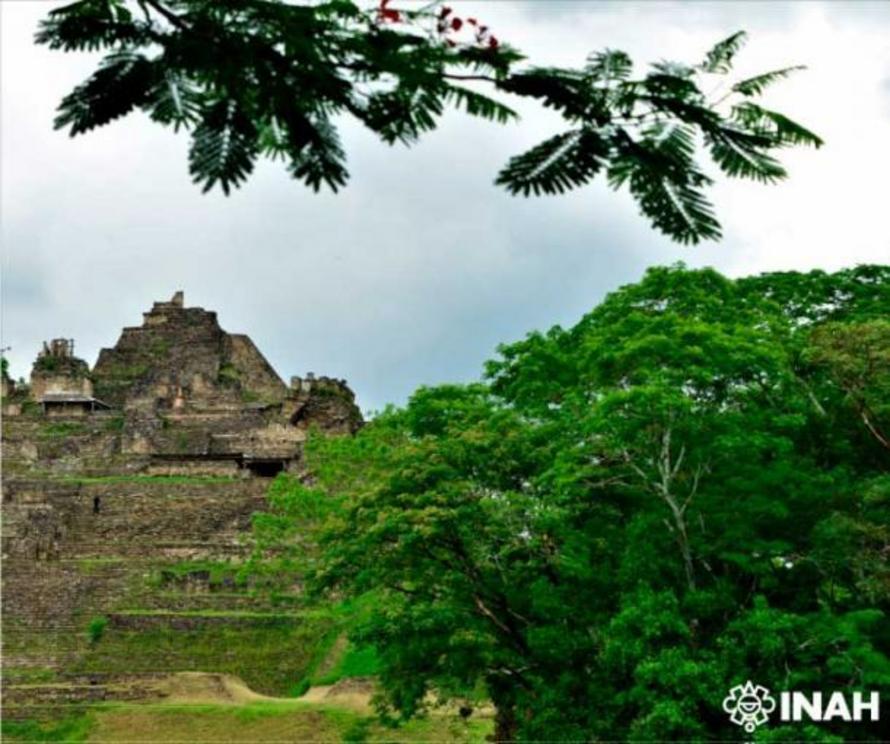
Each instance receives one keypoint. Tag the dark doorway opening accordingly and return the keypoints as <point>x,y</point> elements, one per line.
<point>96,504</point>
<point>265,468</point>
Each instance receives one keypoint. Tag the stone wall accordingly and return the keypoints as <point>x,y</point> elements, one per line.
<point>54,384</point>
<point>148,517</point>
<point>122,548</point>
<point>140,516</point>
<point>253,371</point>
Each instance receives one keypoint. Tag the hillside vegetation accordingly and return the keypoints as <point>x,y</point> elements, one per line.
<point>688,489</point>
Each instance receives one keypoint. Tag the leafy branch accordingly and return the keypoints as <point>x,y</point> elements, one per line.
<point>252,78</point>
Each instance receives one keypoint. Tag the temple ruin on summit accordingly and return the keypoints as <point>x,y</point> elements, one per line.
<point>189,397</point>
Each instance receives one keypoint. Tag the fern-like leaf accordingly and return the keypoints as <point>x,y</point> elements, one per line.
<point>403,114</point>
<point>90,25</point>
<point>719,59</point>
<point>742,154</point>
<point>321,160</point>
<point>477,104</point>
<point>754,86</point>
<point>673,69</point>
<point>175,100</point>
<point>565,91</point>
<point>558,164</point>
<point>672,88</point>
<point>664,180</point>
<point>273,139</point>
<point>778,127</point>
<point>224,146</point>
<point>121,84</point>
<point>609,65</point>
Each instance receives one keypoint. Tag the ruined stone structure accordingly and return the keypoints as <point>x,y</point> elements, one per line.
<point>128,494</point>
<point>60,382</point>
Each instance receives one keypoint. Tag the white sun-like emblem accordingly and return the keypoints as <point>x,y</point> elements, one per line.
<point>749,705</point>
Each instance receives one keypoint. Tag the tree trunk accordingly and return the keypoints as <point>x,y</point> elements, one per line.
<point>683,542</point>
<point>505,724</point>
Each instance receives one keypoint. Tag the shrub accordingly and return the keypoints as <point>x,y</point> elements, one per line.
<point>228,375</point>
<point>47,363</point>
<point>96,628</point>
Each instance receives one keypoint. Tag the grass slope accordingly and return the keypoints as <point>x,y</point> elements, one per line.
<point>256,722</point>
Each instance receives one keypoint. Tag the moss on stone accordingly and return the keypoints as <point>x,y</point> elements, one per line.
<point>62,429</point>
<point>114,424</point>
<point>228,375</point>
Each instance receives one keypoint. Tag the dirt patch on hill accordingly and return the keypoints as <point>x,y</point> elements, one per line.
<point>353,693</point>
<point>190,688</point>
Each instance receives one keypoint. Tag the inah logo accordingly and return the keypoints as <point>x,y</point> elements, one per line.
<point>749,706</point>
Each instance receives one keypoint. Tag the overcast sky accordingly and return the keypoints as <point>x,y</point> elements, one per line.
<point>416,271</point>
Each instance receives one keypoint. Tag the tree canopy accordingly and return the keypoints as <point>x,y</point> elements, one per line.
<point>253,78</point>
<point>629,517</point>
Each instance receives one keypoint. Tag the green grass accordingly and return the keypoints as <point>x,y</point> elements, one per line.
<point>285,599</point>
<point>218,571</point>
<point>71,729</point>
<point>19,639</point>
<point>269,652</point>
<point>61,430</point>
<point>273,721</point>
<point>29,675</point>
<point>121,373</point>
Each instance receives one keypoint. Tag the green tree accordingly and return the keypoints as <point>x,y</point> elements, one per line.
<point>265,77</point>
<point>857,357</point>
<point>631,516</point>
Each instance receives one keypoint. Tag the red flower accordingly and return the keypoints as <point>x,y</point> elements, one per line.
<point>471,21</point>
<point>387,14</point>
<point>493,42</point>
<point>456,23</point>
